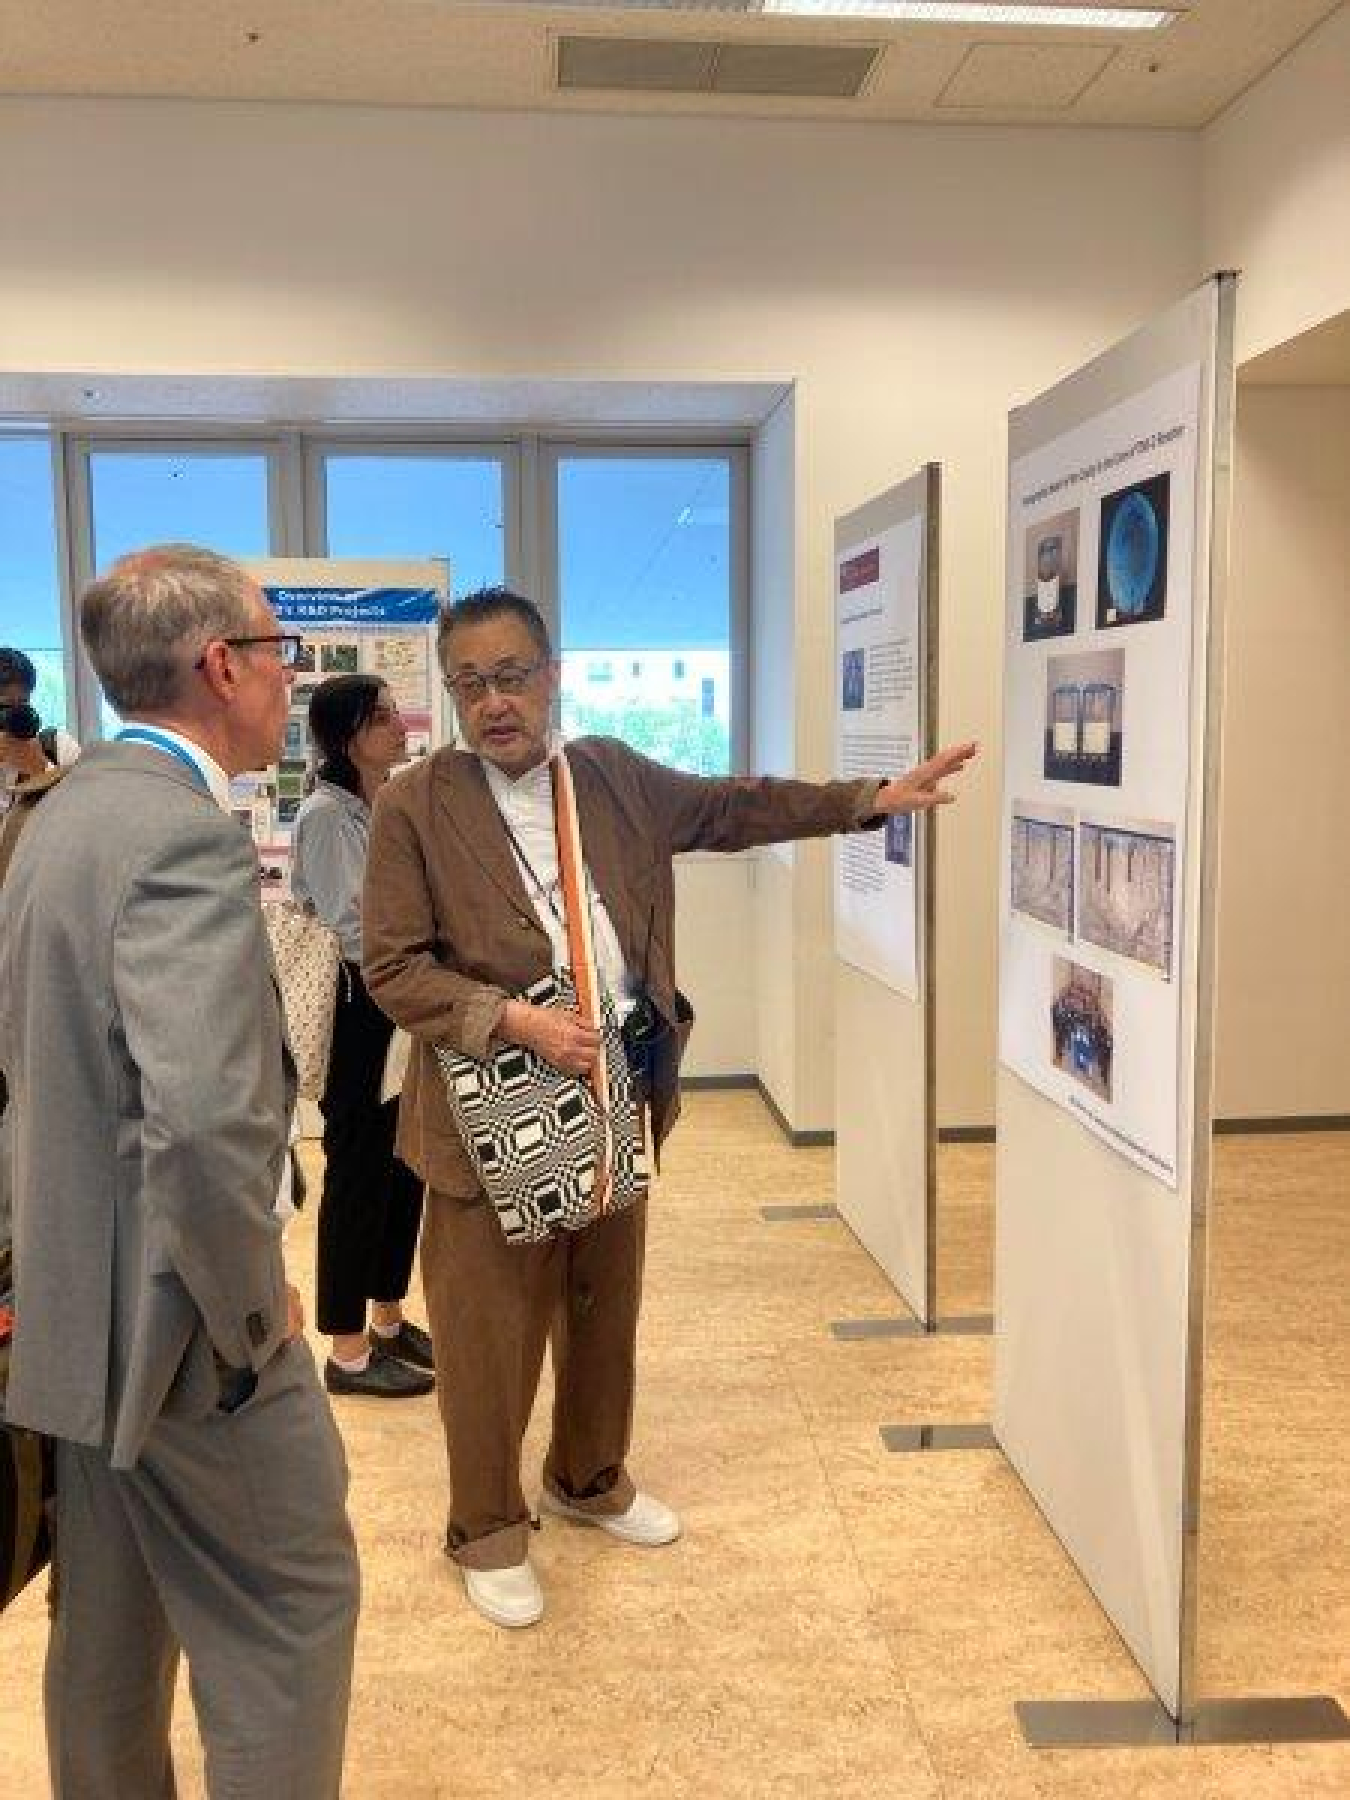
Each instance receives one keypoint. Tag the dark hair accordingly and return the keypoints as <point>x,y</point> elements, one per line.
<point>338,708</point>
<point>16,670</point>
<point>493,603</point>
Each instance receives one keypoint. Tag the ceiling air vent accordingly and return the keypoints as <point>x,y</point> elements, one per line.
<point>686,66</point>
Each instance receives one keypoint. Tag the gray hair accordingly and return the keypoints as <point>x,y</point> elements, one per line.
<point>152,614</point>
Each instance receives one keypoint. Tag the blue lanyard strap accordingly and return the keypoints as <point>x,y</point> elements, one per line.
<point>146,734</point>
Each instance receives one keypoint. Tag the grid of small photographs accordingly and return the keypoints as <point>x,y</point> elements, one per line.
<point>267,801</point>
<point>1106,882</point>
<point>1080,875</point>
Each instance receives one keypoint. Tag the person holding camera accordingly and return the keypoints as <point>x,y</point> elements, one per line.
<point>28,748</point>
<point>463,912</point>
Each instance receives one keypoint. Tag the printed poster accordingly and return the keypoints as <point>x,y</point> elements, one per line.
<point>386,632</point>
<point>879,731</point>
<point>1097,709</point>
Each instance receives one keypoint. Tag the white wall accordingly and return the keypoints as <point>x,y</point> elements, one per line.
<point>912,282</point>
<point>1276,194</point>
<point>1284,923</point>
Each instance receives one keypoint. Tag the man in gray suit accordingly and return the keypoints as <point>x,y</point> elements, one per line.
<point>201,1483</point>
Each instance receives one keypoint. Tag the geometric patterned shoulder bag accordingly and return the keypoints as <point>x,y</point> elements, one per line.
<point>554,1152</point>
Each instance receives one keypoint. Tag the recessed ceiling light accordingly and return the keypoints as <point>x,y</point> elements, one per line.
<point>968,12</point>
<point>1034,13</point>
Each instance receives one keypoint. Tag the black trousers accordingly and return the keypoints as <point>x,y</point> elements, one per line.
<point>371,1208</point>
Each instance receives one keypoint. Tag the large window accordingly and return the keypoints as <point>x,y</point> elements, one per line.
<point>648,597</point>
<point>30,593</point>
<point>419,503</point>
<point>635,552</point>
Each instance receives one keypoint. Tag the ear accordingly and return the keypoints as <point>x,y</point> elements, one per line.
<point>216,669</point>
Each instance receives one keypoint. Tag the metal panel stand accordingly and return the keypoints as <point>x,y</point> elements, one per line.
<point>974,1436</point>
<point>1146,1724</point>
<point>961,1325</point>
<point>782,1215</point>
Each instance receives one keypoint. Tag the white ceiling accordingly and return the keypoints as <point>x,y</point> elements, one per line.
<point>481,54</point>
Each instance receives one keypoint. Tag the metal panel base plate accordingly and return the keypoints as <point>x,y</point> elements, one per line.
<point>1144,1724</point>
<point>939,1437</point>
<point>970,1325</point>
<point>778,1215</point>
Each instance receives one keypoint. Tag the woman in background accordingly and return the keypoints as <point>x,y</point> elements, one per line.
<point>372,1204</point>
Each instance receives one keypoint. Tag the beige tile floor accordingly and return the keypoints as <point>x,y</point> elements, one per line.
<point>838,1621</point>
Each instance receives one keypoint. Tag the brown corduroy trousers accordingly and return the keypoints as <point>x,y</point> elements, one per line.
<point>492,1306</point>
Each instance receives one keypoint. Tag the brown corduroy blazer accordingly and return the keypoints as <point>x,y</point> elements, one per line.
<point>450,932</point>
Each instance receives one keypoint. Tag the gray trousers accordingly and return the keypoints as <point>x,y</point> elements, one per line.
<point>228,1540</point>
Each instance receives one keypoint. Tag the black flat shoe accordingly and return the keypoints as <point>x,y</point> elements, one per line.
<point>412,1345</point>
<point>383,1378</point>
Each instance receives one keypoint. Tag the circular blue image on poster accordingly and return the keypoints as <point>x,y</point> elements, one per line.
<point>1132,552</point>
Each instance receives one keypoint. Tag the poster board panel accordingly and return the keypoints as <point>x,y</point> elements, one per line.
<point>354,617</point>
<point>1099,1254</point>
<point>885,674</point>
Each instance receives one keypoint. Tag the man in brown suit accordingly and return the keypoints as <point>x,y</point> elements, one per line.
<point>461,914</point>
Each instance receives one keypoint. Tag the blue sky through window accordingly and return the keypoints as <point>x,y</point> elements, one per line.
<point>30,597</point>
<point>420,506</point>
<point>142,497</point>
<point>645,552</point>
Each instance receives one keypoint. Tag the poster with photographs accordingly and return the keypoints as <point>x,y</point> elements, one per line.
<point>386,633</point>
<point>879,664</point>
<point>1101,559</point>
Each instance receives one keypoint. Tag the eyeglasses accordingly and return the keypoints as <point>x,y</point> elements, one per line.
<point>288,645</point>
<point>470,686</point>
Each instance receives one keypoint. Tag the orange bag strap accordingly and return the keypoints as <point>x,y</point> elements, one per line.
<point>581,946</point>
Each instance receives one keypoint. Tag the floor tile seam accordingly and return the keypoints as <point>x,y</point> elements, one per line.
<point>877,1630</point>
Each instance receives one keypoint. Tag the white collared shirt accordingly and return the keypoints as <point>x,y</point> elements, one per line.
<point>526,805</point>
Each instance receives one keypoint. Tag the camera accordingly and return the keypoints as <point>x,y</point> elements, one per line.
<point>19,721</point>
<point>642,1032</point>
<point>652,1043</point>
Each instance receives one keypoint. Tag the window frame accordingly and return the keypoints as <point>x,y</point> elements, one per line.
<point>295,458</point>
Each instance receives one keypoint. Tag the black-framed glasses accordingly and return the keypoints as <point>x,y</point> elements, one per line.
<point>471,685</point>
<point>288,645</point>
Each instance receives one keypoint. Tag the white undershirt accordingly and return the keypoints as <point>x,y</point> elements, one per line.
<point>527,807</point>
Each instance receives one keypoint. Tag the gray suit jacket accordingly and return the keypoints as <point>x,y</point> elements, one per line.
<point>141,1033</point>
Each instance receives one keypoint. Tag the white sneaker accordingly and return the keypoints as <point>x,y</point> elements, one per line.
<point>647,1521</point>
<point>510,1597</point>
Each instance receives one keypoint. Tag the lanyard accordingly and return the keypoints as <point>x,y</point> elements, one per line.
<point>146,734</point>
<point>544,893</point>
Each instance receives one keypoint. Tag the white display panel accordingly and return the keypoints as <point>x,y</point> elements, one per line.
<point>1096,734</point>
<point>886,589</point>
<point>878,681</point>
<point>1099,1259</point>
